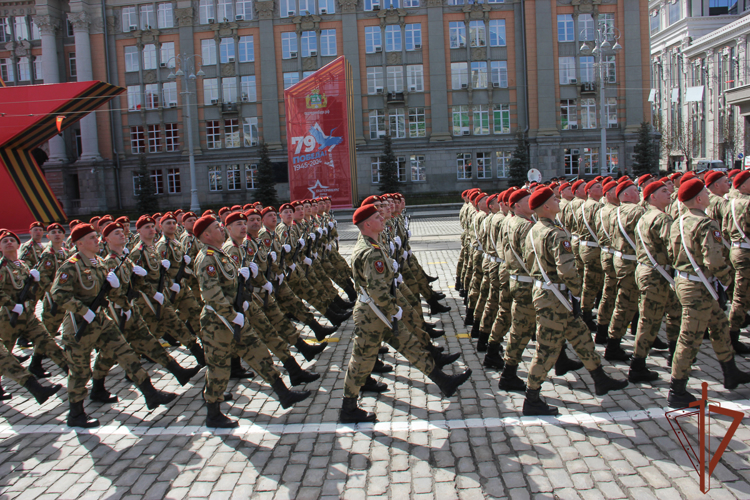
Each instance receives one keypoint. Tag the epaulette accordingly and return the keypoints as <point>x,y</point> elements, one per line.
<point>74,258</point>
<point>209,252</point>
<point>375,245</point>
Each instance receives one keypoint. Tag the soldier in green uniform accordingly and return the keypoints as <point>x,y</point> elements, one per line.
<point>604,230</point>
<point>568,218</point>
<point>737,226</point>
<point>31,251</point>
<point>588,249</point>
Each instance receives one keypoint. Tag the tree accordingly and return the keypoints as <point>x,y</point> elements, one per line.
<point>518,169</point>
<point>646,152</point>
<point>148,203</point>
<point>265,191</point>
<point>389,169</point>
<point>686,139</point>
<point>734,140</point>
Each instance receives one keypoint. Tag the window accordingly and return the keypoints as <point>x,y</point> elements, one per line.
<point>499,73</point>
<point>21,29</point>
<point>612,163</point>
<point>305,74</point>
<point>328,43</point>
<point>418,169</point>
<point>232,134</point>
<point>173,140</point>
<point>457,34</point>
<point>377,124</point>
<point>164,17</point>
<point>225,11</point>
<point>214,179</point>
<point>206,12</point>
<point>247,87</point>
<point>251,171</point>
<point>373,42</point>
<point>484,165</point>
<point>6,69</point>
<point>675,14</point>
<point>137,140</point>
<point>397,121</point>
<point>393,38</point>
<point>459,75</point>
<point>655,21</point>
<point>154,139</point>
<point>213,134</point>
<point>413,36</point>
<point>567,69</point>
<point>229,89</point>
<point>571,162</point>
<point>234,179</point>
<point>72,66</point>
<point>134,97</point>
<point>417,123</point>
<point>287,8</point>
<point>290,79</point>
<point>586,27</point>
<point>375,164</point>
<point>479,75</point>
<point>611,108</point>
<point>502,162</point>
<point>129,18</point>
<point>250,131</point>
<point>477,34</point>
<point>497,33</point>
<point>587,68</point>
<point>460,120</point>
<point>152,95</point>
<point>411,3</point>
<point>210,91</point>
<point>415,77</point>
<point>208,51</point>
<point>24,72</point>
<point>395,75</point>
<point>38,74</point>
<point>69,31</point>
<point>136,183</point>
<point>245,9</point>
<point>289,45</point>
<point>608,20</point>
<point>501,118</point>
<point>169,90</point>
<point>463,165</point>
<point>166,55</point>
<point>309,44</point>
<point>383,4</point>
<point>326,7</point>
<point>173,181</point>
<point>4,30</point>
<point>588,113</point>
<point>590,160</point>
<point>401,168</point>
<point>481,120</point>
<point>565,28</point>
<point>149,56</point>
<point>306,7</point>
<point>35,33</point>
<point>247,51</point>
<point>568,117</point>
<point>375,80</point>
<point>148,20</point>
<point>610,68</point>
<point>226,50</point>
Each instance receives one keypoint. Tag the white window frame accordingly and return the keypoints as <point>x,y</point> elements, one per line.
<point>250,135</point>
<point>418,168</point>
<point>215,178</point>
<point>464,166</point>
<point>457,34</point>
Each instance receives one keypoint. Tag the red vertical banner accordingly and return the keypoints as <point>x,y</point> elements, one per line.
<point>320,135</point>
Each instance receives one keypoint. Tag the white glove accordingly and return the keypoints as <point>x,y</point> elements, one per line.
<point>34,274</point>
<point>239,320</point>
<point>89,316</point>
<point>307,261</point>
<point>18,309</point>
<point>393,249</point>
<point>312,236</point>
<point>280,277</point>
<point>397,239</point>
<point>315,254</point>
<point>325,230</point>
<point>292,267</point>
<point>253,269</point>
<point>159,297</point>
<point>301,242</point>
<point>112,280</point>
<point>328,247</point>
<point>397,316</point>
<point>187,259</point>
<point>245,272</point>
<point>268,287</point>
<point>245,305</point>
<point>139,271</point>
<point>127,314</point>
<point>405,254</point>
<point>320,232</point>
<point>273,256</point>
<point>125,251</point>
<point>408,233</point>
<point>175,288</point>
<point>165,264</point>
<point>395,266</point>
<point>330,224</point>
<point>287,248</point>
<point>400,279</point>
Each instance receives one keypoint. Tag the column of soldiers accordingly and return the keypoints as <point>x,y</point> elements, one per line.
<point>542,262</point>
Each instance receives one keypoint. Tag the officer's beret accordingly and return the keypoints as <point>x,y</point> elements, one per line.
<point>591,184</point>
<point>286,206</point>
<point>644,178</point>
<point>55,225</point>
<point>690,189</point>
<point>252,211</point>
<point>223,210</point>
<point>94,219</point>
<point>123,220</point>
<point>208,212</point>
<point>687,176</point>
<point>234,217</point>
<point>577,184</point>
<point>363,213</point>
<point>80,231</point>
<point>740,178</point>
<point>36,223</point>
<point>517,196</point>
<point>733,172</point>
<point>111,227</point>
<point>73,224</point>
<point>266,210</point>
<point>540,197</point>
<point>609,185</point>
<point>623,179</point>
<point>652,188</point>
<point>565,185</point>
<point>712,177</point>
<point>236,207</point>
<point>202,224</point>
<point>189,215</point>
<point>606,179</point>
<point>370,200</point>
<point>5,233</point>
<point>178,212</point>
<point>167,216</point>
<point>622,186</point>
<point>143,220</point>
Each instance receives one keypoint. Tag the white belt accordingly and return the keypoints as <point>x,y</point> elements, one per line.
<point>559,286</point>
<point>606,249</point>
<point>522,278</point>
<point>591,244</point>
<point>364,299</point>
<point>623,255</point>
<point>648,265</point>
<point>740,244</point>
<point>575,237</point>
<point>687,276</point>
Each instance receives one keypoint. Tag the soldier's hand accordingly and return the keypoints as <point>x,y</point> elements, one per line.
<point>273,255</point>
<point>398,315</point>
<point>307,261</point>
<point>89,316</point>
<point>125,251</point>
<point>395,266</point>
<point>159,297</point>
<point>34,274</point>
<point>408,233</point>
<point>267,286</point>
<point>187,259</point>
<point>139,271</point>
<point>330,224</point>
<point>292,267</point>
<point>312,236</point>
<point>315,254</point>
<point>245,305</point>
<point>18,309</point>
<point>405,254</point>
<point>239,320</point>
<point>286,248</point>
<point>175,288</point>
<point>325,230</point>
<point>112,280</point>
<point>245,272</point>
<point>397,239</point>
<point>127,314</point>
<point>320,232</point>
<point>165,264</point>
<point>301,242</point>
<point>328,247</point>
<point>280,277</point>
<point>399,279</point>
<point>254,269</point>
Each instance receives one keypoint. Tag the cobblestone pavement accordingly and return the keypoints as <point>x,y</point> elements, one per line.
<point>474,445</point>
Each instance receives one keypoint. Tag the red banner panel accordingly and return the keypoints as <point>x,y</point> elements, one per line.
<point>320,135</point>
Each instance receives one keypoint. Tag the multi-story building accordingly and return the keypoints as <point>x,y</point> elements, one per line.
<point>699,80</point>
<point>454,85</point>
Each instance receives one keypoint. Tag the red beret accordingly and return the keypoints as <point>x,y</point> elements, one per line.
<point>73,223</point>
<point>208,212</point>
<point>494,197</point>
<point>111,227</point>
<point>36,223</point>
<point>286,206</point>
<point>123,220</point>
<point>622,186</point>
<point>712,176</point>
<point>55,225</point>
<point>591,184</point>
<point>565,185</point>
<point>517,196</point>
<point>94,219</point>
<point>252,211</point>
<point>644,178</point>
<point>577,184</point>
<point>295,203</point>
<point>266,210</point>
<point>236,207</point>
<point>652,188</point>
<point>689,189</point>
<point>309,201</point>
<point>540,197</point>
<point>80,231</point>
<point>188,215</point>
<point>733,172</point>
<point>223,210</point>
<point>480,196</point>
<point>606,179</point>
<point>234,217</point>
<point>4,233</point>
<point>370,200</point>
<point>598,178</point>
<point>167,216</point>
<point>675,176</point>
<point>105,219</point>
<point>363,213</point>
<point>609,185</point>
<point>687,176</point>
<point>623,179</point>
<point>202,224</point>
<point>143,220</point>
<point>248,206</point>
<point>533,185</point>
<point>665,179</point>
<point>179,211</point>
<point>554,185</point>
<point>740,178</point>
<point>157,215</point>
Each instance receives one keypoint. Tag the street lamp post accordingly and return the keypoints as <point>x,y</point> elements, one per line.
<point>189,63</point>
<point>602,46</point>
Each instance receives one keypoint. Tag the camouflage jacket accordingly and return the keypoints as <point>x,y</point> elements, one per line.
<point>555,254</point>
<point>604,227</point>
<point>13,274</point>
<point>78,282</point>
<point>174,252</point>
<point>30,252</point>
<point>703,239</point>
<point>655,227</point>
<point>516,230</point>
<point>372,269</point>
<point>51,261</point>
<point>494,238</point>
<point>588,210</point>
<point>147,257</point>
<point>190,245</point>
<point>251,250</point>
<point>119,296</point>
<point>718,209</point>
<point>217,276</point>
<point>742,210</point>
<point>291,235</point>
<point>628,214</point>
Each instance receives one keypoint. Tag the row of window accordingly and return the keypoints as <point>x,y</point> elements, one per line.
<point>479,165</point>
<point>394,79</point>
<point>397,123</point>
<point>477,33</point>
<point>233,177</point>
<point>147,16</point>
<point>147,57</point>
<point>673,14</point>
<point>308,42</point>
<point>416,165</point>
<point>475,73</point>
<point>411,34</point>
<point>25,68</point>
<point>231,133</point>
<point>589,113</point>
<point>585,161</point>
<point>157,143</point>
<point>587,25</point>
<point>476,120</point>
<point>18,28</point>
<point>567,69</point>
<point>157,180</point>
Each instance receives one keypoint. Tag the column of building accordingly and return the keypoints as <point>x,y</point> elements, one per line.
<point>350,37</point>
<point>439,118</point>
<point>268,81</point>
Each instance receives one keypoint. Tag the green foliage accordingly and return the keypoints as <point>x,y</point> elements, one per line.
<point>389,169</point>
<point>519,166</point>
<point>148,203</point>
<point>646,152</point>
<point>265,191</point>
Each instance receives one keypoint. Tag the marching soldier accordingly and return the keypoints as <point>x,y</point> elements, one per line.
<point>605,229</point>
<point>31,251</point>
<point>588,249</point>
<point>737,225</point>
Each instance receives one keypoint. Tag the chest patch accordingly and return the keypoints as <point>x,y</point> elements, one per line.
<point>211,270</point>
<point>251,251</point>
<point>379,266</point>
<point>717,236</point>
<point>566,246</point>
<point>286,234</point>
<point>164,254</point>
<point>235,258</point>
<point>48,264</point>
<point>267,242</point>
<point>63,278</point>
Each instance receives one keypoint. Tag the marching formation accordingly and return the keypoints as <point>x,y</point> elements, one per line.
<point>537,262</point>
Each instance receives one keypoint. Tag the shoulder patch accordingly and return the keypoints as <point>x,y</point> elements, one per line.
<point>286,234</point>
<point>250,251</point>
<point>235,258</point>
<point>267,242</point>
<point>48,263</point>
<point>211,270</point>
<point>717,235</point>
<point>164,254</point>
<point>209,252</point>
<point>566,246</point>
<point>379,266</point>
<point>74,258</point>
<point>375,245</point>
<point>63,278</point>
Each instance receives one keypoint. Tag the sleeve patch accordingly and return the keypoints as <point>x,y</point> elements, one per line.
<point>235,258</point>
<point>379,266</point>
<point>267,242</point>
<point>566,246</point>
<point>717,236</point>
<point>211,270</point>
<point>48,263</point>
<point>164,254</point>
<point>63,278</point>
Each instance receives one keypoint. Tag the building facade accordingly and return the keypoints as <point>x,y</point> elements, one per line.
<point>454,85</point>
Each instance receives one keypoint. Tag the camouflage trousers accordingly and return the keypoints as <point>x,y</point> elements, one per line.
<point>412,299</point>
<point>411,282</point>
<point>220,347</point>
<point>577,254</point>
<point>626,304</point>
<point>468,267</point>
<point>339,263</point>
<point>484,290</point>
<point>51,322</point>
<point>555,324</point>
<point>321,285</point>
<point>291,304</point>
<point>10,367</point>
<point>740,258</point>
<point>504,315</point>
<point>476,279</point>
<point>31,328</point>
<point>284,328</point>
<point>657,298</point>
<point>333,274</point>
<point>369,333</point>
<point>488,311</point>
<point>265,331</point>
<point>524,321</point>
<point>423,286</point>
<point>168,321</point>
<point>104,335</point>
<point>186,306</point>
<point>609,290</point>
<point>593,276</point>
<point>410,317</point>
<point>461,259</point>
<point>302,287</point>
<point>699,311</point>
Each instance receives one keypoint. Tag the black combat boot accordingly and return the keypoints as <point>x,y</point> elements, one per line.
<point>372,385</point>
<point>458,284</point>
<point>215,418</point>
<point>77,417</point>
<point>739,347</point>
<point>746,321</point>
<point>321,331</point>
<point>352,414</point>
<point>237,371</point>
<point>564,364</point>
<point>588,318</point>
<point>469,319</point>
<point>154,397</point>
<point>383,349</point>
<point>438,295</point>
<point>100,394</point>
<point>297,375</point>
<point>341,303</point>
<point>603,383</point>
<point>183,375</point>
<point>381,367</point>
<point>672,349</point>
<point>170,340</point>
<point>40,392</point>
<point>436,307</point>
<point>309,351</point>
<point>482,342</point>
<point>679,397</point>
<point>336,317</point>
<point>441,359</point>
<point>21,357</point>
<point>434,333</point>
<point>639,373</point>
<point>286,397</point>
<point>475,329</point>
<point>197,351</point>
<point>448,384</point>
<point>614,352</point>
<point>349,290</point>
<point>733,376</point>
<point>602,334</point>
<point>430,279</point>
<point>510,381</point>
<point>534,405</point>
<point>23,342</point>
<point>36,368</point>
<point>659,344</point>
<point>462,293</point>
<point>494,358</point>
<point>4,396</point>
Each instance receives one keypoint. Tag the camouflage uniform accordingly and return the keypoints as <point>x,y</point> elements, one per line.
<point>296,278</point>
<point>567,217</point>
<point>30,252</point>
<point>469,248</point>
<point>605,229</point>
<point>191,246</point>
<point>51,261</point>
<point>590,253</point>
<point>740,258</point>
<point>521,287</point>
<point>477,260</point>
<point>503,319</point>
<point>10,367</point>
<point>185,303</point>
<point>491,307</point>
<point>464,231</point>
